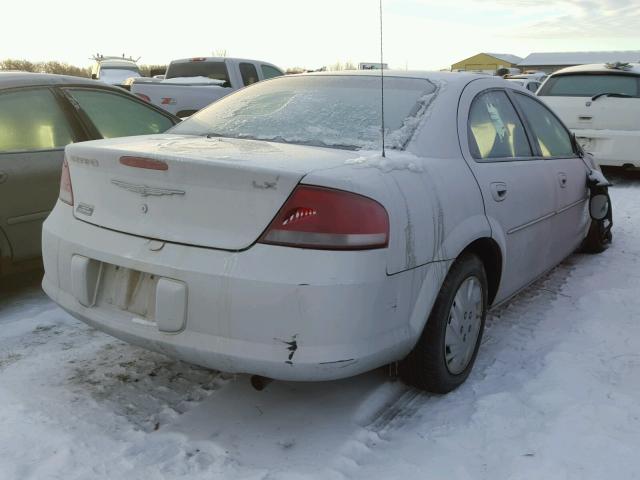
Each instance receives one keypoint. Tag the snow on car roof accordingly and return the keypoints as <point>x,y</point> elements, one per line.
<point>575,58</point>
<point>599,67</point>
<point>117,63</point>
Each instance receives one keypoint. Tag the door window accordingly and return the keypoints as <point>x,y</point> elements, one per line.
<point>495,130</point>
<point>550,135</point>
<point>118,116</point>
<point>249,73</point>
<point>270,72</point>
<point>32,119</point>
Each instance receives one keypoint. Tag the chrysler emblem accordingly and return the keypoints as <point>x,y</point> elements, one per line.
<point>145,190</point>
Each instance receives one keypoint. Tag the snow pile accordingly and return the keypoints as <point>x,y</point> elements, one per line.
<point>193,81</point>
<point>393,161</point>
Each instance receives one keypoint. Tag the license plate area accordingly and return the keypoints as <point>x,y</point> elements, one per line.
<point>128,290</point>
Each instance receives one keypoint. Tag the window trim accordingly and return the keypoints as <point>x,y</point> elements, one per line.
<point>78,134</point>
<point>530,131</point>
<point>524,127</point>
<point>93,133</point>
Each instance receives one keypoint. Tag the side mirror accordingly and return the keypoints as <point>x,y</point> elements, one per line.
<point>94,76</point>
<point>599,206</point>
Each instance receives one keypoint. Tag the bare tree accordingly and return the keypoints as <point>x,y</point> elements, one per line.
<point>348,65</point>
<point>15,64</point>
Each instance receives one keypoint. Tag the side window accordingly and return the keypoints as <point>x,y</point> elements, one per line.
<point>495,131</point>
<point>552,138</point>
<point>533,86</point>
<point>269,72</point>
<point>31,120</point>
<point>249,73</point>
<point>118,116</point>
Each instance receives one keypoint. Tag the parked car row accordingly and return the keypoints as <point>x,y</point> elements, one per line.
<point>272,232</point>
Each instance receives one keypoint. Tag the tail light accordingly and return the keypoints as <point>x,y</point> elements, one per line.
<point>328,219</point>
<point>144,97</point>
<point>168,101</point>
<point>66,191</point>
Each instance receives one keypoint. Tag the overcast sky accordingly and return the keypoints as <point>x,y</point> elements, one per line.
<point>420,34</point>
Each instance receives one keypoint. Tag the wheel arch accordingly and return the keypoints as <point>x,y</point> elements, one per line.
<point>489,252</point>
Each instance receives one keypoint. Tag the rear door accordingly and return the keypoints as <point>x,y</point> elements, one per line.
<point>34,129</point>
<point>552,142</point>
<point>517,187</point>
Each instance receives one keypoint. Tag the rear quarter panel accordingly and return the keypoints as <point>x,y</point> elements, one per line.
<point>434,205</point>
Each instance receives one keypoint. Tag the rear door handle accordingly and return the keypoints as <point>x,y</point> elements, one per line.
<point>3,177</point>
<point>499,191</point>
<point>562,178</point>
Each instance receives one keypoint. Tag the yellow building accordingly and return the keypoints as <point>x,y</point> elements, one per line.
<point>486,62</point>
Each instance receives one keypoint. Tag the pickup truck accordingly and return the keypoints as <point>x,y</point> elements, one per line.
<point>193,83</point>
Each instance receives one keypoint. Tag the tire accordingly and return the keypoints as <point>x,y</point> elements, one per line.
<point>598,239</point>
<point>433,364</point>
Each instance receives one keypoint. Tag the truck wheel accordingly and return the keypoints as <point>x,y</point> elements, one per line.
<point>598,239</point>
<point>444,355</point>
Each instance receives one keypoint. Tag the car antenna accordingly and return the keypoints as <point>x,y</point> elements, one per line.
<point>382,82</point>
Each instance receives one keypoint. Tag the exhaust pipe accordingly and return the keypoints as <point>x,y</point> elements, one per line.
<point>260,383</point>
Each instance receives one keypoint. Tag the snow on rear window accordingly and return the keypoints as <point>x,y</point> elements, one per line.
<point>332,111</point>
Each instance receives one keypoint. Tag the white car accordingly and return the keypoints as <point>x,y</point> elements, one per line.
<point>268,235</point>
<point>601,104</point>
<point>114,70</point>
<point>193,83</point>
<point>531,84</point>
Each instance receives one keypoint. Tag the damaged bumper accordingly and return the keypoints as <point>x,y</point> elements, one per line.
<point>279,312</point>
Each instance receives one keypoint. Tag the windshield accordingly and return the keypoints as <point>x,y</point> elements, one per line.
<point>332,111</point>
<point>196,68</point>
<point>589,85</point>
<point>117,75</point>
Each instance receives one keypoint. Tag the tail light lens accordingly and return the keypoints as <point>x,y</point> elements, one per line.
<point>328,219</point>
<point>66,191</point>
<point>143,97</point>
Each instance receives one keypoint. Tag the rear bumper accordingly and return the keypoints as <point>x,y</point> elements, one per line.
<point>279,312</point>
<point>611,147</point>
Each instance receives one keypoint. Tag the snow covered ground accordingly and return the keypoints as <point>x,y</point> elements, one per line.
<point>555,394</point>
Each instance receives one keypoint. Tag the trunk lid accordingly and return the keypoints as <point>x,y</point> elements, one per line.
<point>218,193</point>
<point>604,113</point>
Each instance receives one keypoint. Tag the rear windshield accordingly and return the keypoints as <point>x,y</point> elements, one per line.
<point>213,70</point>
<point>330,111</point>
<point>118,74</point>
<point>589,85</point>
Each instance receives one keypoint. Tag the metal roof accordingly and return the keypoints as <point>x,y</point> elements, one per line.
<point>633,68</point>
<point>579,58</point>
<point>507,57</point>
